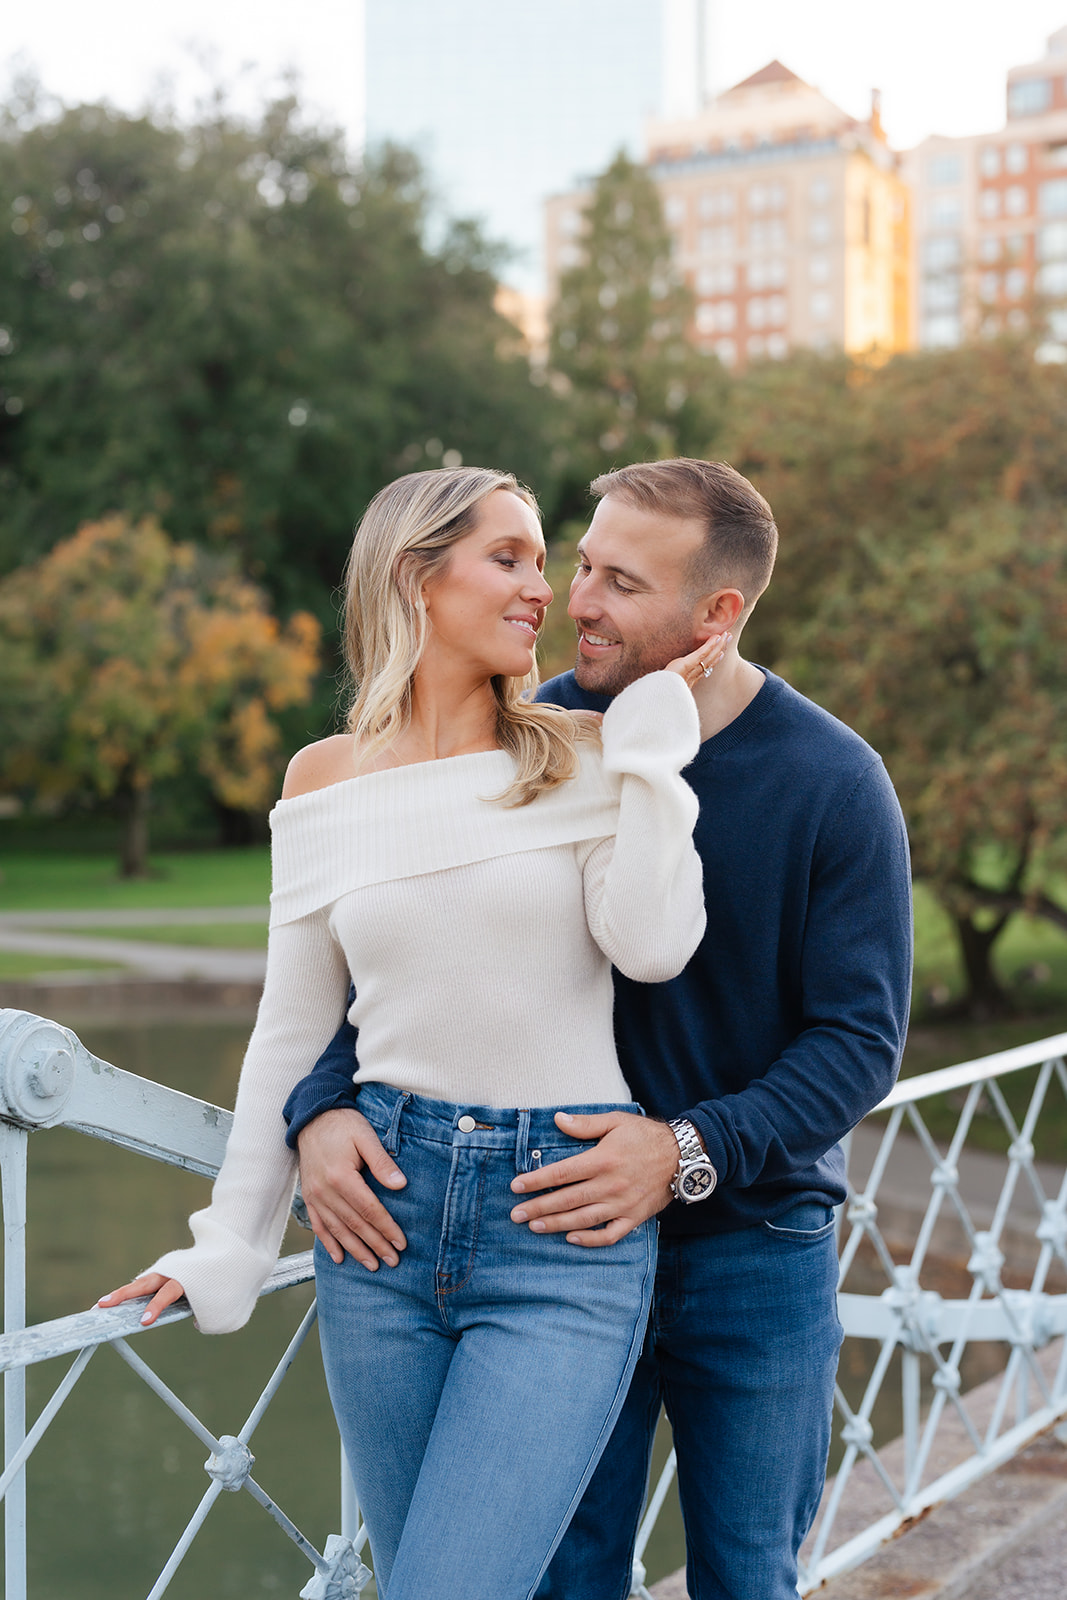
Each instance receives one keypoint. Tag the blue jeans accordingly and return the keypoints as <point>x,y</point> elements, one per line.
<point>476,1384</point>
<point>742,1350</point>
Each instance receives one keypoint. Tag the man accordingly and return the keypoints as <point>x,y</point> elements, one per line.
<point>783,1031</point>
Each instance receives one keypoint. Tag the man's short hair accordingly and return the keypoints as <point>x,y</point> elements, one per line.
<point>741,538</point>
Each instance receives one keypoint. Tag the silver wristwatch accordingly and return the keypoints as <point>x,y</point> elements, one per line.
<point>696,1177</point>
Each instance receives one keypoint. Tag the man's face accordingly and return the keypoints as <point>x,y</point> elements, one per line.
<point>629,597</point>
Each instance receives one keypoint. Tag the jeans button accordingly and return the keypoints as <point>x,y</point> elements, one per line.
<point>466,1124</point>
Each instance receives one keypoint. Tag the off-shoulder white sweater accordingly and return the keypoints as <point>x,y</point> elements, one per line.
<point>480,940</point>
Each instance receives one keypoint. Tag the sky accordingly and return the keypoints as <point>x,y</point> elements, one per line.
<point>940,64</point>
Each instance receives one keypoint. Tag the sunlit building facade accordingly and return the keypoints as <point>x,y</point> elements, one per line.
<point>991,217</point>
<point>789,219</point>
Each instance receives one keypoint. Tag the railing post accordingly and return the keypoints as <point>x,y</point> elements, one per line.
<point>13,1145</point>
<point>349,1503</point>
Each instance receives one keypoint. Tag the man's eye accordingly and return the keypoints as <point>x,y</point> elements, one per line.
<point>621,587</point>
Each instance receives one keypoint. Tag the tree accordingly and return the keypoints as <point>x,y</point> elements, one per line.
<point>638,389</point>
<point>231,327</point>
<point>920,596</point>
<point>128,655</point>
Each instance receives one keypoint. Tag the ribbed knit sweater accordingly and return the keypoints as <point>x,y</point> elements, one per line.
<point>480,938</point>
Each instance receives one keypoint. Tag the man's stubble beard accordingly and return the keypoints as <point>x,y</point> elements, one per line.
<point>634,661</point>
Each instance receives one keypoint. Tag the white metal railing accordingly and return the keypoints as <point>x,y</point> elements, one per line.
<point>914,1202</point>
<point>48,1079</point>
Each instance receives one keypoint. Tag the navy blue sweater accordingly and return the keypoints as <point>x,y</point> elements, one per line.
<point>788,1023</point>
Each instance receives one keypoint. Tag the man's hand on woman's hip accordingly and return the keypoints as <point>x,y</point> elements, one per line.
<point>345,1213</point>
<point>600,1196</point>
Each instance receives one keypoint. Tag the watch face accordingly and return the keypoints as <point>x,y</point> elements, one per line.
<point>696,1183</point>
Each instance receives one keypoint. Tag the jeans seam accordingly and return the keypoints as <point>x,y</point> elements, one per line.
<point>454,1288</point>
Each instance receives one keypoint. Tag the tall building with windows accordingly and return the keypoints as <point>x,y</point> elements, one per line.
<point>789,218</point>
<point>991,216</point>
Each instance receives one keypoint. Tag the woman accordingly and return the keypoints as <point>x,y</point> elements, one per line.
<point>477,863</point>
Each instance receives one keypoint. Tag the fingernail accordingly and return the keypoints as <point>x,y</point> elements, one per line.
<point>520,1215</point>
<point>147,1317</point>
<point>565,1116</point>
<point>517,1186</point>
<point>395,1179</point>
<point>538,1226</point>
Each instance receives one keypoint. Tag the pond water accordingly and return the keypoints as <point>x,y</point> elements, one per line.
<point>117,1477</point>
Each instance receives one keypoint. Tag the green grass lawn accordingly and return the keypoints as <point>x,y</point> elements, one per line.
<point>17,964</point>
<point>43,880</point>
<point>216,935</point>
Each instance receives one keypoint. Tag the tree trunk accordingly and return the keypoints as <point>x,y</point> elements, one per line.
<point>133,850</point>
<point>985,998</point>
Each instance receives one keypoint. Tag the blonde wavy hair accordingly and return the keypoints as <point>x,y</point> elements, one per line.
<point>406,537</point>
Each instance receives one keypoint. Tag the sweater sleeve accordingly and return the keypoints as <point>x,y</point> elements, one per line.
<point>855,983</point>
<point>644,890</point>
<point>238,1236</point>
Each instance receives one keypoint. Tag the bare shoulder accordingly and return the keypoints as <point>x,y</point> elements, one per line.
<point>319,765</point>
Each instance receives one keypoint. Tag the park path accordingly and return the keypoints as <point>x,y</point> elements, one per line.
<point>28,932</point>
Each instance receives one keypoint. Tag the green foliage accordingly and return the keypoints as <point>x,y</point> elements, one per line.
<point>135,656</point>
<point>922,596</point>
<point>229,327</point>
<point>638,389</point>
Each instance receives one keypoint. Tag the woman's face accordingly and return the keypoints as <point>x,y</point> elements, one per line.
<point>486,607</point>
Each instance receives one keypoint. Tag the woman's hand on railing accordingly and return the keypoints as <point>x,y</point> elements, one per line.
<point>164,1292</point>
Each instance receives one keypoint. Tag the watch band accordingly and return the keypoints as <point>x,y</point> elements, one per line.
<point>695,1178</point>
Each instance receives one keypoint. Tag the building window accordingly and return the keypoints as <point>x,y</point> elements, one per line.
<point>1052,241</point>
<point>941,294</point>
<point>821,306</point>
<point>726,351</point>
<point>1015,245</point>
<point>767,235</point>
<point>946,210</point>
<point>941,330</point>
<point>941,252</point>
<point>717,203</point>
<point>756,348</point>
<point>719,279</point>
<point>716,241</point>
<point>1052,198</point>
<point>756,313</point>
<point>777,346</point>
<point>776,311</point>
<point>569,256</point>
<point>989,203</point>
<point>757,197</point>
<point>989,247</point>
<point>766,274</point>
<point>819,269</point>
<point>570,223</point>
<point>776,197</point>
<point>1016,202</point>
<point>944,170</point>
<point>1028,97</point>
<point>1015,283</point>
<point>819,191</point>
<point>1052,278</point>
<point>1056,155</point>
<point>819,230</point>
<point>674,210</point>
<point>989,287</point>
<point>1057,324</point>
<point>1016,158</point>
<point>989,162</point>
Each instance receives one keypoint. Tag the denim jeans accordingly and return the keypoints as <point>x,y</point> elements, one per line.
<point>742,1350</point>
<point>476,1384</point>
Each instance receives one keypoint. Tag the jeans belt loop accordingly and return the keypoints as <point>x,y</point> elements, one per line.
<point>392,1133</point>
<point>522,1140</point>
